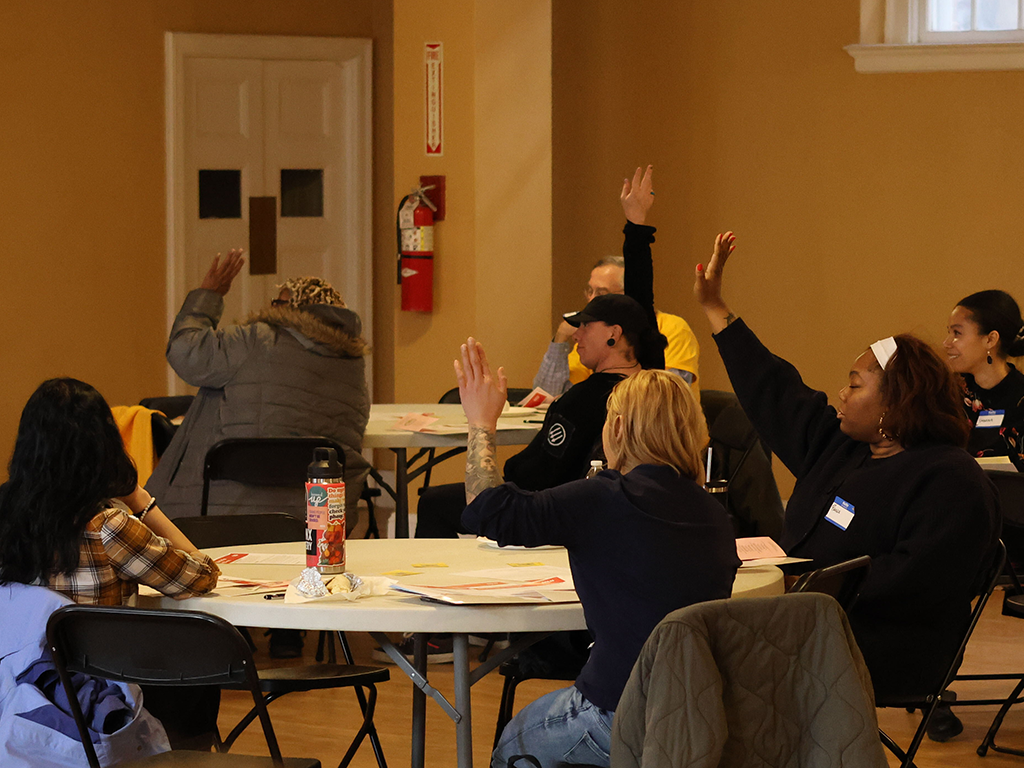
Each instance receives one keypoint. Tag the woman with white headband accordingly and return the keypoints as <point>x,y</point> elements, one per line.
<point>984,330</point>
<point>886,475</point>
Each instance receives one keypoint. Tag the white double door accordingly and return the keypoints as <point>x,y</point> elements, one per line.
<point>269,117</point>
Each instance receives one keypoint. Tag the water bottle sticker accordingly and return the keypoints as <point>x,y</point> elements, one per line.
<point>316,495</point>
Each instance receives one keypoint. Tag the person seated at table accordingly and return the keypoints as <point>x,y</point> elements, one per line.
<point>73,518</point>
<point>984,330</point>
<point>643,536</point>
<point>293,368</point>
<point>561,366</point>
<point>616,336</point>
<point>886,475</point>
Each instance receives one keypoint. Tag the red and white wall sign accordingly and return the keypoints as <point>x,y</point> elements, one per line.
<point>433,59</point>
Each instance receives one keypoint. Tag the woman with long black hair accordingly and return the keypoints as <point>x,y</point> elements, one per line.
<point>74,519</point>
<point>72,514</point>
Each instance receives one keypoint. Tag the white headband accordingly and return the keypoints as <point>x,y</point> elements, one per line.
<point>884,349</point>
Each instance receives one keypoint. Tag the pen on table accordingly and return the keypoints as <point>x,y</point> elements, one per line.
<point>274,596</point>
<point>533,421</point>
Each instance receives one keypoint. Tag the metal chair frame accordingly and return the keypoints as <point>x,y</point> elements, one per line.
<point>153,647</point>
<point>929,702</point>
<point>268,528</point>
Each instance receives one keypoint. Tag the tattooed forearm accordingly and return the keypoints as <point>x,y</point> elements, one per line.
<point>481,465</point>
<point>729,319</point>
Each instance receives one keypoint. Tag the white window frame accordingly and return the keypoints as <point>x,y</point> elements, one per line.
<point>893,39</point>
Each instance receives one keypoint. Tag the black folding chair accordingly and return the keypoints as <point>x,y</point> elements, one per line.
<point>146,647</point>
<point>928,702</point>
<point>268,528</point>
<point>265,462</point>
<point>744,462</point>
<point>1011,501</point>
<point>841,581</point>
<point>269,462</point>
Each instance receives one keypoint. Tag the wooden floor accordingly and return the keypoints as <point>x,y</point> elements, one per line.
<point>321,724</point>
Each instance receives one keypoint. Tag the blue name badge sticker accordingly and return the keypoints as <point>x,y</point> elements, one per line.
<point>840,514</point>
<point>990,419</point>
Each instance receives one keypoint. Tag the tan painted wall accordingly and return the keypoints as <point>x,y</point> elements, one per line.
<point>865,205</point>
<point>493,250</point>
<point>82,163</point>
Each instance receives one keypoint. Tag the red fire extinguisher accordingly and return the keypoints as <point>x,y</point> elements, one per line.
<point>416,250</point>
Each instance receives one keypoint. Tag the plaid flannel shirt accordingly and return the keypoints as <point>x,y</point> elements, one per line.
<point>119,552</point>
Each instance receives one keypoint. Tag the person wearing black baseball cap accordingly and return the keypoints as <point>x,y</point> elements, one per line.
<point>614,334</point>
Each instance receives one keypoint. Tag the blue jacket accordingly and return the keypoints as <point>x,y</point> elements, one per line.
<point>34,732</point>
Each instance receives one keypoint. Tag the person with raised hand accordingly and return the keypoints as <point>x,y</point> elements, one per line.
<point>678,547</point>
<point>885,475</point>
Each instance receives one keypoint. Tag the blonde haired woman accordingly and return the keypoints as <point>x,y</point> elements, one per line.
<point>644,539</point>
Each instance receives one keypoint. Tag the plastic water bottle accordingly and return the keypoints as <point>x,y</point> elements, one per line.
<point>325,512</point>
<point>595,467</point>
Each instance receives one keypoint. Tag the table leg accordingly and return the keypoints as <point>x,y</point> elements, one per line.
<point>402,493</point>
<point>464,727</point>
<point>419,703</point>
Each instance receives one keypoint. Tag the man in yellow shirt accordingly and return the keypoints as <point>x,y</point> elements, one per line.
<point>561,366</point>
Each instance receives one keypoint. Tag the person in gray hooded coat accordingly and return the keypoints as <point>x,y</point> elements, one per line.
<point>294,368</point>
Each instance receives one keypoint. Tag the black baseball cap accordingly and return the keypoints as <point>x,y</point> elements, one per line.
<point>612,309</point>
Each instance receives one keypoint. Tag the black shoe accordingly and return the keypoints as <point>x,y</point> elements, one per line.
<point>285,643</point>
<point>944,725</point>
<point>439,650</point>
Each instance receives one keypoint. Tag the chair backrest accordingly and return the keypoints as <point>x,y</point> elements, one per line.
<point>1011,504</point>
<point>741,459</point>
<point>230,530</point>
<point>151,647</point>
<point>842,580</point>
<point>516,394</point>
<point>263,461</point>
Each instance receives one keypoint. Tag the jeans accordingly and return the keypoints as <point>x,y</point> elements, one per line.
<point>561,727</point>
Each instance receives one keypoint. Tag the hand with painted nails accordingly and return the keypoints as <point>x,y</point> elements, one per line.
<point>707,286</point>
<point>637,196</point>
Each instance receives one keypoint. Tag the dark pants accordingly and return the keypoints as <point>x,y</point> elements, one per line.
<point>439,512</point>
<point>188,713</point>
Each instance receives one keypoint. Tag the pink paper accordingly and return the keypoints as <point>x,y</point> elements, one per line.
<point>758,548</point>
<point>414,422</point>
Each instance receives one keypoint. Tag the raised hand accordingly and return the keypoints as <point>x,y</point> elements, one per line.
<point>637,196</point>
<point>221,273</point>
<point>707,286</point>
<point>483,395</point>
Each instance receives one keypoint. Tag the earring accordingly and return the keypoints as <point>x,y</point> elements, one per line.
<point>990,358</point>
<point>611,343</point>
<point>881,430</point>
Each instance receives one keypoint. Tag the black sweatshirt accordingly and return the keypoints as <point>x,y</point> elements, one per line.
<point>927,516</point>
<point>640,546</point>
<point>1006,439</point>
<point>570,438</point>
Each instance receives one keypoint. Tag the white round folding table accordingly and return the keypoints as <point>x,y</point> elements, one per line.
<point>396,612</point>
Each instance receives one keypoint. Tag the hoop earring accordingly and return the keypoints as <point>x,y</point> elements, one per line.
<point>885,435</point>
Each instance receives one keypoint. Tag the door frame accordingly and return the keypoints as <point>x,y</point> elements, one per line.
<point>355,57</point>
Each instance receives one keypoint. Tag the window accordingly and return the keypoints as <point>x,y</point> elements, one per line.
<point>970,21</point>
<point>933,35</point>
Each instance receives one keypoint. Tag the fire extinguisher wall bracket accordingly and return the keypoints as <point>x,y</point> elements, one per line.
<point>416,252</point>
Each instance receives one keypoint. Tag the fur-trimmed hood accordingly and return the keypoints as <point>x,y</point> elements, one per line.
<point>337,328</point>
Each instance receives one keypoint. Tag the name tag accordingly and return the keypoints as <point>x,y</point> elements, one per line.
<point>990,419</point>
<point>840,514</point>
